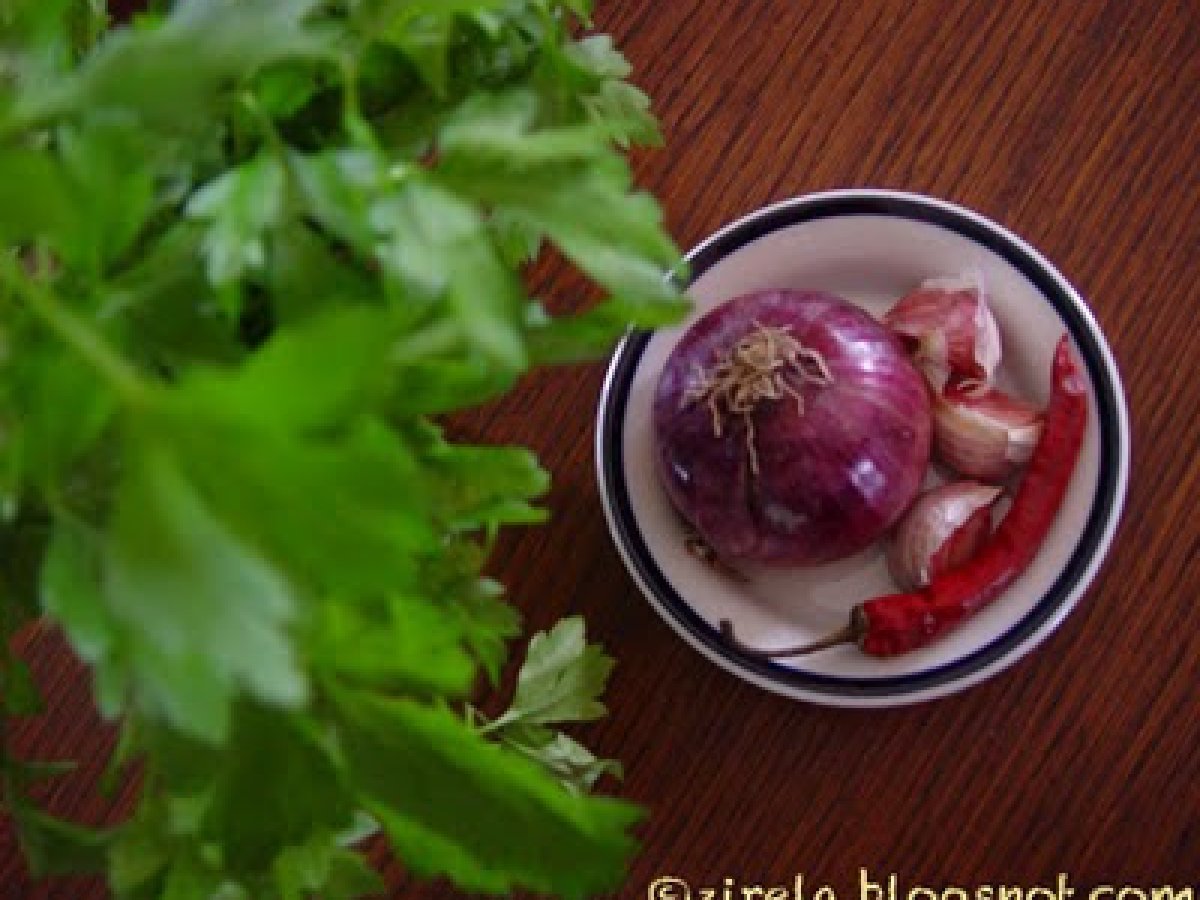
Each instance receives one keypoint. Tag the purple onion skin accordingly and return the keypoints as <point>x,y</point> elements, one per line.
<point>831,480</point>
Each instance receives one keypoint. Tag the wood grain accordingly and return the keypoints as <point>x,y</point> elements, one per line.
<point>1078,126</point>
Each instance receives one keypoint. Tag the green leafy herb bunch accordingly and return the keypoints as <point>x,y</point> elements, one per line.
<point>250,252</point>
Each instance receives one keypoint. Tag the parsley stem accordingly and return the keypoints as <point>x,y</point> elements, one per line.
<point>85,341</point>
<point>490,726</point>
<point>353,121</point>
<point>433,340</point>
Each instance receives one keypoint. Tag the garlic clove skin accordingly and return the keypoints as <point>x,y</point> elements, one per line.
<point>982,432</point>
<point>950,325</point>
<point>943,529</point>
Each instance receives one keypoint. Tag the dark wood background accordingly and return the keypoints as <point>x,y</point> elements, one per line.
<point>1077,124</point>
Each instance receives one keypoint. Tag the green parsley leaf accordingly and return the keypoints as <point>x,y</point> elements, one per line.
<point>19,694</point>
<point>336,188</point>
<point>581,8</point>
<point>349,508</point>
<point>118,197</point>
<point>71,592</point>
<point>320,868</point>
<point>187,879</point>
<point>402,642</point>
<point>164,334</point>
<point>285,88</point>
<point>486,486</point>
<point>350,877</point>
<point>425,228</point>
<point>598,57</point>
<point>36,200</point>
<point>499,129</point>
<point>306,276</point>
<point>51,445</point>
<point>488,624</point>
<point>573,764</point>
<point>425,775</point>
<point>425,40</point>
<point>561,679</point>
<point>337,356</point>
<point>224,628</point>
<point>623,112</point>
<point>280,787</point>
<point>620,243</point>
<point>170,73</point>
<point>570,338</point>
<point>239,207</point>
<point>141,852</point>
<point>54,846</point>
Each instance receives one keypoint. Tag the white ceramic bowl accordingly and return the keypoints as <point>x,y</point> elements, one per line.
<point>870,246</point>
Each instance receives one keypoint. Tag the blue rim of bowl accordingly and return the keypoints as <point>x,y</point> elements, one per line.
<point>1094,538</point>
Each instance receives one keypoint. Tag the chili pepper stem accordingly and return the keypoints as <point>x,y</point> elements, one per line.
<point>851,634</point>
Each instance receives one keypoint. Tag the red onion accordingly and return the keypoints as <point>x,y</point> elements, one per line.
<point>791,428</point>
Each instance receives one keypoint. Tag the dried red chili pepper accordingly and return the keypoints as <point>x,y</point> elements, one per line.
<point>897,623</point>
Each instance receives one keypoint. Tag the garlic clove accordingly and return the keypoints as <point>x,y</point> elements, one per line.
<point>943,529</point>
<point>950,326</point>
<point>983,432</point>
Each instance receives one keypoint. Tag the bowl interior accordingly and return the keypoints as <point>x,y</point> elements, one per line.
<point>870,259</point>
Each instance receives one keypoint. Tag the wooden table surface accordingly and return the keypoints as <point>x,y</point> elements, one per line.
<point>1076,124</point>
